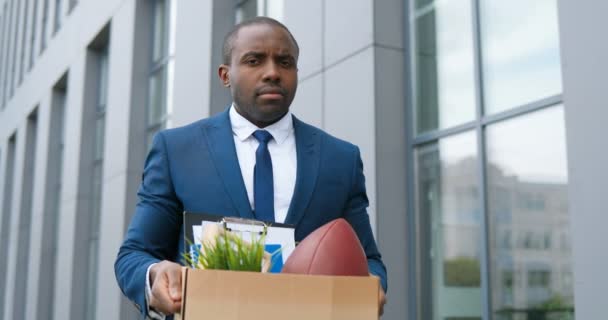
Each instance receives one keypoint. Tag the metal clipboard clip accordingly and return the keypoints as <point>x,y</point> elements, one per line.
<point>241,225</point>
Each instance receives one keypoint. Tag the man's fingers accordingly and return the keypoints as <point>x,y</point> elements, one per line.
<point>174,276</point>
<point>167,307</point>
<point>381,301</point>
<point>166,287</point>
<point>162,301</point>
<point>381,297</point>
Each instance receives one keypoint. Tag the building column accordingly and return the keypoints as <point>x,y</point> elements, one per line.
<point>11,257</point>
<point>70,193</point>
<point>36,264</point>
<point>391,149</point>
<point>584,70</point>
<point>124,147</point>
<point>199,33</point>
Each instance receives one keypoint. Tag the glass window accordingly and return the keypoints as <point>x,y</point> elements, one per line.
<point>505,53</point>
<point>449,227</point>
<point>444,66</point>
<point>527,155</point>
<point>24,218</point>
<point>93,241</point>
<point>520,51</point>
<point>246,9</point>
<point>101,74</point>
<point>58,16</point>
<point>33,35</point>
<point>274,9</point>
<point>8,33</point>
<point>422,3</point>
<point>157,97</point>
<point>102,92</point>
<point>13,59</point>
<point>3,26</point>
<point>99,137</point>
<point>53,190</point>
<point>159,101</point>
<point>159,41</point>
<point>9,177</point>
<point>44,22</point>
<point>24,31</point>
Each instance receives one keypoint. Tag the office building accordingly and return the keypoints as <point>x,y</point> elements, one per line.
<point>480,125</point>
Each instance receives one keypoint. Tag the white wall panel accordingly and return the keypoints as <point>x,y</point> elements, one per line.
<point>305,21</point>
<point>348,28</point>
<point>308,103</point>
<point>349,112</point>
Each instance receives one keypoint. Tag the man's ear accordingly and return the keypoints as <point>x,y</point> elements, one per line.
<point>223,73</point>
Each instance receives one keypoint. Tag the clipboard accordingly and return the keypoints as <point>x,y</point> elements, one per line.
<point>280,238</point>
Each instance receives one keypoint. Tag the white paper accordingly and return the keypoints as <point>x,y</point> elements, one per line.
<point>281,236</point>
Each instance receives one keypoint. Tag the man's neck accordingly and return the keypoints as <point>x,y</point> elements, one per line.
<point>256,123</point>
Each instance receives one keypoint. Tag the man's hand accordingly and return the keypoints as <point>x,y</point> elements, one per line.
<point>381,301</point>
<point>166,285</point>
<point>381,297</point>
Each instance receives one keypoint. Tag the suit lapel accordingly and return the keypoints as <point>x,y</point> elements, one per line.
<point>223,153</point>
<point>308,150</point>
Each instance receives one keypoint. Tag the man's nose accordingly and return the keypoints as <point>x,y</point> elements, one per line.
<point>272,72</point>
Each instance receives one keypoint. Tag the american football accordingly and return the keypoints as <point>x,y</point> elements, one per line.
<point>333,249</point>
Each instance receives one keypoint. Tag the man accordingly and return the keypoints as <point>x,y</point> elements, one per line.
<point>254,160</point>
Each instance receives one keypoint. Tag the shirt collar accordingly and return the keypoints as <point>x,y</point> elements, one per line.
<point>243,129</point>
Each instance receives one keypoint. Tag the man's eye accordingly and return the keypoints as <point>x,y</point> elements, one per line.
<point>252,61</point>
<point>286,63</point>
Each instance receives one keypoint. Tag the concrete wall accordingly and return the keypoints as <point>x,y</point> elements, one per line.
<point>584,67</point>
<point>351,73</point>
<point>66,54</point>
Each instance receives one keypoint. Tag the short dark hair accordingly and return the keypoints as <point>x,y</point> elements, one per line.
<point>231,36</point>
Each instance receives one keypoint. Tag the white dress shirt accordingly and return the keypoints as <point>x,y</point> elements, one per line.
<point>282,150</point>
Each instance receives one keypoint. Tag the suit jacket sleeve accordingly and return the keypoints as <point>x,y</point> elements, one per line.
<point>356,214</point>
<point>155,227</point>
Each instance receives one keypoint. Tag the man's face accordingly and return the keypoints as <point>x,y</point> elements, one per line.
<point>263,73</point>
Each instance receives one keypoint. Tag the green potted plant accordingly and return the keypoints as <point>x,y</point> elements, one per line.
<point>223,249</point>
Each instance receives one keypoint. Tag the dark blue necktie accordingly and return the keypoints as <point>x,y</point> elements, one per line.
<point>263,191</point>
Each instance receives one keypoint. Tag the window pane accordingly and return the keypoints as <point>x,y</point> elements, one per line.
<point>24,34</point>
<point>445,81</point>
<point>93,268</point>
<point>5,239</point>
<point>58,15</point>
<point>99,137</point>
<point>157,97</point>
<point>246,10</point>
<point>45,18</point>
<point>95,213</point>
<point>528,208</point>
<point>275,9</point>
<point>449,228</point>
<point>422,3</point>
<point>33,35</point>
<point>520,52</point>
<point>103,80</point>
<point>160,43</point>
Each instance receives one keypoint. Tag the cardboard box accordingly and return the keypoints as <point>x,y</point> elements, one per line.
<point>232,295</point>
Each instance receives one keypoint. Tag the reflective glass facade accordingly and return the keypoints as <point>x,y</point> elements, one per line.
<point>161,68</point>
<point>489,156</point>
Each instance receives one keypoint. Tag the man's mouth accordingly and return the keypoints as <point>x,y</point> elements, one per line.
<point>271,93</point>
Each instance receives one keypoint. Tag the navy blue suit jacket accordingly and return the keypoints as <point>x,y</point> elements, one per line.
<point>195,168</point>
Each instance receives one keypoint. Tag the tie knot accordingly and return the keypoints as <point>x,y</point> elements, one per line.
<point>262,136</point>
